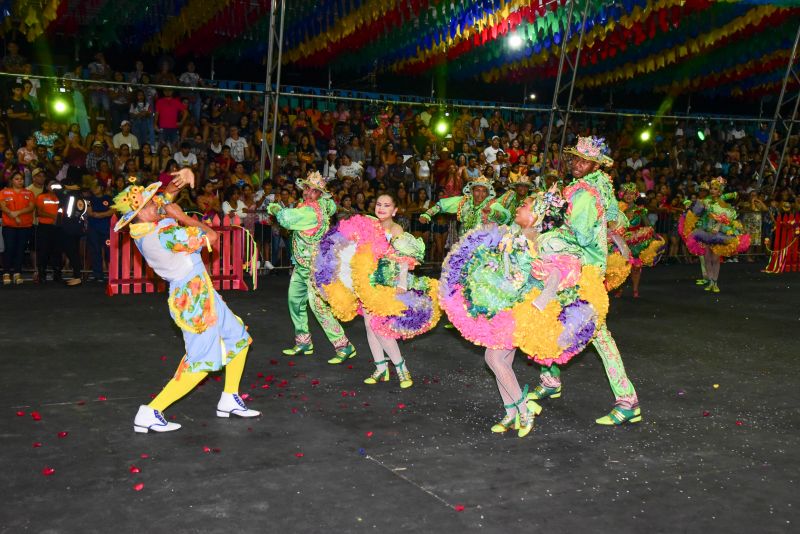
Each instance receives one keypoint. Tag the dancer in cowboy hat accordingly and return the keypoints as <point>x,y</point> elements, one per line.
<point>475,207</point>
<point>309,221</point>
<point>214,337</point>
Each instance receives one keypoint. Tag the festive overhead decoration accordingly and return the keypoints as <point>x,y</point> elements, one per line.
<point>669,46</point>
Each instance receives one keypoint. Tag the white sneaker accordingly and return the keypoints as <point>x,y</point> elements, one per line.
<point>268,265</point>
<point>148,419</point>
<point>232,404</point>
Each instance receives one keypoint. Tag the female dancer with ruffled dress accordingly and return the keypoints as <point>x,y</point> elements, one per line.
<point>363,267</point>
<point>710,230</point>
<point>522,286</point>
<point>643,244</point>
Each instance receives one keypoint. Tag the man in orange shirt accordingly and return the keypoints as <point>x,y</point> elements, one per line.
<point>48,239</point>
<point>17,205</point>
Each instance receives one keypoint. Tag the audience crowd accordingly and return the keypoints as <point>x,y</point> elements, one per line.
<point>108,136</point>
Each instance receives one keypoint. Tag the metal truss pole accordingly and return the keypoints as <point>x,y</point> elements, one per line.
<point>274,40</point>
<point>564,111</point>
<point>779,120</point>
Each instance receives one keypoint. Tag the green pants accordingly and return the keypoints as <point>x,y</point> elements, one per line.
<point>612,362</point>
<point>301,294</point>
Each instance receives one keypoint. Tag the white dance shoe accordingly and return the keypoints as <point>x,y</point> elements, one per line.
<point>148,419</point>
<point>232,404</point>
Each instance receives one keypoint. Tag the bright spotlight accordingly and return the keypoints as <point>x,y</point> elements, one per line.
<point>532,96</point>
<point>60,106</point>
<point>645,135</point>
<point>515,41</point>
<point>442,127</point>
<point>701,135</point>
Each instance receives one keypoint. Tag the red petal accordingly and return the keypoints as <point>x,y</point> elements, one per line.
<point>291,364</point>
<point>20,414</point>
<point>294,410</point>
<point>706,413</point>
<point>152,395</point>
<point>260,375</point>
<point>216,450</point>
<point>163,358</point>
<point>344,393</point>
<point>144,455</point>
<point>206,449</point>
<point>369,434</point>
<point>299,454</point>
<point>349,366</point>
<point>273,362</point>
<point>37,444</point>
<point>133,469</point>
<point>102,398</point>
<point>217,378</point>
<point>400,406</point>
<point>459,508</point>
<point>36,416</point>
<point>739,423</point>
<point>315,382</point>
<point>47,471</point>
<point>81,402</point>
<point>245,396</point>
<point>269,378</point>
<point>283,383</point>
<point>352,393</point>
<point>265,386</point>
<point>139,486</point>
<point>63,434</point>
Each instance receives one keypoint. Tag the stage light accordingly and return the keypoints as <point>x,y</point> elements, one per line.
<point>515,41</point>
<point>532,96</point>
<point>645,135</point>
<point>701,135</point>
<point>60,105</point>
<point>442,127</point>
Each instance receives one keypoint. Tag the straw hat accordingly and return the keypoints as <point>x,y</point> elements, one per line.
<point>593,149</point>
<point>130,201</point>
<point>314,180</point>
<point>480,181</point>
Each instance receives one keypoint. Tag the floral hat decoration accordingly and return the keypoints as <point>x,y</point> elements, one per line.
<point>592,148</point>
<point>551,208</point>
<point>480,181</point>
<point>629,187</point>
<point>719,181</point>
<point>130,201</point>
<point>314,180</point>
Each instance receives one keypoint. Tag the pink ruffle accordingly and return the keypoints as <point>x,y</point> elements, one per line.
<point>494,333</point>
<point>568,266</point>
<point>692,244</point>
<point>365,231</point>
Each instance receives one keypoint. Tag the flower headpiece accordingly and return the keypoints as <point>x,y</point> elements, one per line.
<point>592,148</point>
<point>551,209</point>
<point>130,201</point>
<point>629,187</point>
<point>719,181</point>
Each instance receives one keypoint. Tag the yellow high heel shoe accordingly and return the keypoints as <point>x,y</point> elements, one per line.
<point>403,375</point>
<point>524,424</point>
<point>378,375</point>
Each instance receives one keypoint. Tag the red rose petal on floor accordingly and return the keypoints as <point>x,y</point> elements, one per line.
<point>739,423</point>
<point>400,406</point>
<point>299,454</point>
<point>36,416</point>
<point>144,456</point>
<point>304,398</point>
<point>37,444</point>
<point>349,366</point>
<point>364,404</point>
<point>152,395</point>
<point>291,364</point>
<point>102,398</point>
<point>265,386</point>
<point>173,417</point>
<point>459,508</point>
<point>133,469</point>
<point>81,402</point>
<point>352,393</point>
<point>706,413</point>
<point>294,410</point>
<point>138,487</point>
<point>273,362</point>
<point>269,378</point>
<point>260,375</point>
<point>369,434</point>
<point>20,414</point>
<point>245,396</point>
<point>217,378</point>
<point>315,382</point>
<point>47,471</point>
<point>163,358</point>
<point>206,449</point>
<point>63,434</point>
<point>344,393</point>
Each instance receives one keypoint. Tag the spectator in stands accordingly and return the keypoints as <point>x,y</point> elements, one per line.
<point>26,155</point>
<point>96,155</point>
<point>185,158</point>
<point>20,116</point>
<point>170,113</point>
<point>125,137</point>
<point>141,114</point>
<point>99,94</point>
<point>240,150</point>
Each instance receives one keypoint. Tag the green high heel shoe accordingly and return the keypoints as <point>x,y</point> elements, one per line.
<point>378,375</point>
<point>305,348</point>
<point>403,375</point>
<point>618,416</point>
<point>541,392</point>
<point>509,422</point>
<point>344,354</point>
<point>524,424</point>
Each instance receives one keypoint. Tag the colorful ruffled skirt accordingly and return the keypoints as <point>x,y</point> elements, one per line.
<point>354,272</point>
<point>699,238</point>
<point>488,296</point>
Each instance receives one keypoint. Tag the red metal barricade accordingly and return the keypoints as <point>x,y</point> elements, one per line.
<point>128,272</point>
<point>785,253</point>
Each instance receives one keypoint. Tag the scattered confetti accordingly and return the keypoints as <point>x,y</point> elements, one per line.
<point>400,406</point>
<point>260,375</point>
<point>37,444</point>
<point>63,434</point>
<point>163,358</point>
<point>81,402</point>
<point>349,366</point>
<point>369,434</point>
<point>344,393</point>
<point>47,471</point>
<point>299,454</point>
<point>283,383</point>
<point>138,487</point>
<point>681,393</point>
<point>362,452</point>
<point>216,450</point>
<point>315,382</point>
<point>291,364</point>
<point>152,395</point>
<point>265,386</point>
<point>294,410</point>
<point>706,413</point>
<point>36,416</point>
<point>273,362</point>
<point>459,508</point>
<point>144,456</point>
<point>133,469</point>
<point>206,449</point>
<point>245,396</point>
<point>20,414</point>
<point>739,423</point>
<point>102,398</point>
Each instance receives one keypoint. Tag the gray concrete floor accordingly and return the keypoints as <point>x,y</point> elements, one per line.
<point>331,454</point>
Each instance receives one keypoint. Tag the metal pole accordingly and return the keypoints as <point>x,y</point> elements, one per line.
<point>785,144</point>
<point>777,114</point>
<point>277,92</point>
<point>572,83</point>
<point>267,89</point>
<point>554,107</point>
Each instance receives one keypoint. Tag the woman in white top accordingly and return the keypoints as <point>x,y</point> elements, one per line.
<point>422,174</point>
<point>234,205</point>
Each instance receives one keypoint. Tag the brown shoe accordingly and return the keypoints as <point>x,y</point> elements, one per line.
<point>17,279</point>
